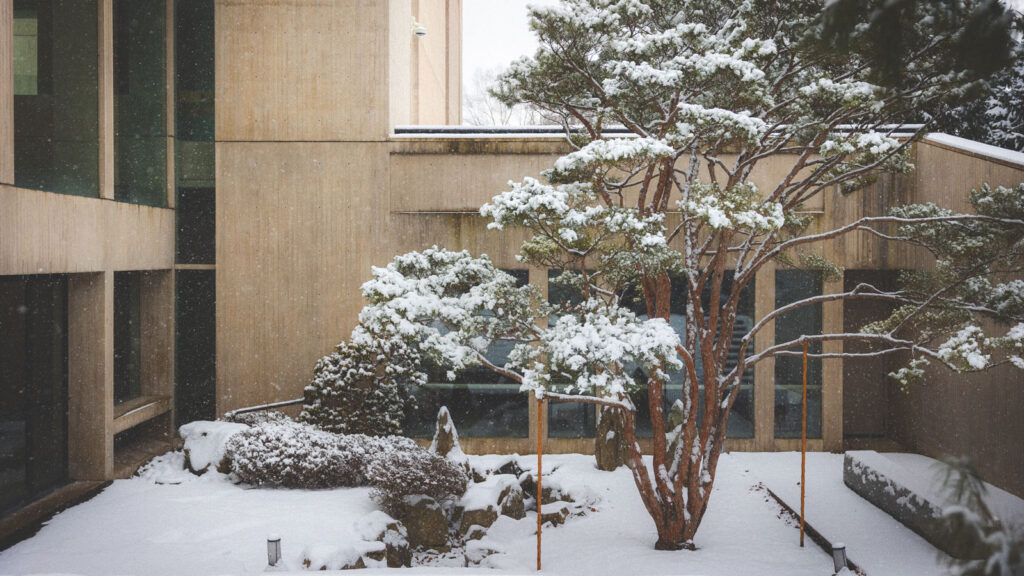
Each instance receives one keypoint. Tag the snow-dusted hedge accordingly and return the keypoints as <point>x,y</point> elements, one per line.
<point>296,455</point>
<point>397,472</point>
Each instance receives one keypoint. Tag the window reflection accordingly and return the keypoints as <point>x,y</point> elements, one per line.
<point>792,286</point>
<point>56,96</point>
<point>482,403</point>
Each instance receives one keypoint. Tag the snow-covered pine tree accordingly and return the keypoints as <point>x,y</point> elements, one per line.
<point>710,92</point>
<point>363,387</point>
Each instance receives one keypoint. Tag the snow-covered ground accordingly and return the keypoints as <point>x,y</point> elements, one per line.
<point>170,522</point>
<point>875,541</point>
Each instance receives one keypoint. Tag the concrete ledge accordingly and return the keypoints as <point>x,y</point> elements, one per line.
<point>902,495</point>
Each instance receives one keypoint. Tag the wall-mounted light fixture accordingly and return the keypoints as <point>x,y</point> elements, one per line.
<point>418,29</point>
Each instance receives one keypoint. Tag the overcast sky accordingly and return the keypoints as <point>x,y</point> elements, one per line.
<point>495,32</point>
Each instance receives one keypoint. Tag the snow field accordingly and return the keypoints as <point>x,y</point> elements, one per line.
<point>167,521</point>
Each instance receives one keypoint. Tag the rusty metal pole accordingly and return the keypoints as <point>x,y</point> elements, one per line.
<point>540,451</point>
<point>803,450</point>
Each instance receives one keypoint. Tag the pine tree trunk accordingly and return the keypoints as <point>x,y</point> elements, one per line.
<point>609,442</point>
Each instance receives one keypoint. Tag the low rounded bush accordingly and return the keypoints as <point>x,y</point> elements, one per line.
<point>400,470</point>
<point>282,452</point>
<point>295,455</point>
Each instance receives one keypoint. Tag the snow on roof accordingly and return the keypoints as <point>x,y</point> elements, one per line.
<point>986,150</point>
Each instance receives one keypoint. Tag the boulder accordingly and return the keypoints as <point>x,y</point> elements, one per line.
<point>379,527</point>
<point>446,437</point>
<point>480,517</point>
<point>512,502</point>
<point>555,513</point>
<point>475,532</point>
<point>551,491</point>
<point>205,443</point>
<point>425,523</point>
<point>484,501</point>
<point>367,554</point>
<point>477,551</point>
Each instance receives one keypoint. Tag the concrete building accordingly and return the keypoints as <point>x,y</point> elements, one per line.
<point>192,192</point>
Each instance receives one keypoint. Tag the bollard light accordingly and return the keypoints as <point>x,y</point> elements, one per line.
<point>839,556</point>
<point>273,549</point>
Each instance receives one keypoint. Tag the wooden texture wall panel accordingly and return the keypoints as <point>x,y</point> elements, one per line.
<point>301,70</point>
<point>457,183</point>
<point>48,233</point>
<point>6,93</point>
<point>978,416</point>
<point>91,376</point>
<point>106,98</point>
<point>456,232</point>
<point>946,175</point>
<point>298,227</point>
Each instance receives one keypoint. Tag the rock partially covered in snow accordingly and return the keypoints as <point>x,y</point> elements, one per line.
<point>379,527</point>
<point>484,501</point>
<point>446,438</point>
<point>426,523</point>
<point>360,555</point>
<point>551,490</point>
<point>205,442</point>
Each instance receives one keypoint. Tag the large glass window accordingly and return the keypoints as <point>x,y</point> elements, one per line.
<point>793,286</point>
<point>741,417</point>
<point>33,387</point>
<point>194,96</point>
<point>56,96</point>
<point>127,336</point>
<point>567,419</point>
<point>482,403</point>
<point>140,102</point>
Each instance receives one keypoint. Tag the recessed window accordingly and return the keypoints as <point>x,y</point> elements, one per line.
<point>127,336</point>
<point>793,286</point>
<point>140,102</point>
<point>56,96</point>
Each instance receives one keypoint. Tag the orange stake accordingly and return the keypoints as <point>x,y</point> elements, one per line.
<point>803,451</point>
<point>540,451</point>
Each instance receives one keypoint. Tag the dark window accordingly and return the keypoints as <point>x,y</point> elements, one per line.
<point>741,417</point>
<point>127,336</point>
<point>482,403</point>
<point>793,286</point>
<point>195,346</point>
<point>140,102</point>
<point>56,96</point>
<point>196,221</point>
<point>194,93</point>
<point>33,387</point>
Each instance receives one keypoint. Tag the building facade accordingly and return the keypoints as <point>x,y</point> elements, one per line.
<point>193,191</point>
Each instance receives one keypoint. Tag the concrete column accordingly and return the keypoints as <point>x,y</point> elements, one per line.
<point>157,316</point>
<point>6,93</point>
<point>91,376</point>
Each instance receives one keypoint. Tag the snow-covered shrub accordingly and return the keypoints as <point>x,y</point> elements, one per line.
<point>205,444</point>
<point>296,455</point>
<point>362,387</point>
<point>399,471</point>
<point>254,418</point>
